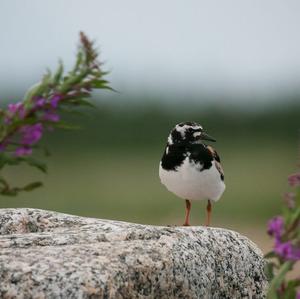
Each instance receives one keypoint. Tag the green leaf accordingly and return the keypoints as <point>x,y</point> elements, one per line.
<point>289,294</point>
<point>6,190</point>
<point>78,62</point>
<point>4,183</point>
<point>10,192</point>
<point>278,279</point>
<point>37,89</point>
<point>294,283</point>
<point>6,159</point>
<point>269,270</point>
<point>295,215</point>
<point>270,254</point>
<point>83,102</point>
<point>32,186</point>
<point>35,163</point>
<point>21,122</point>
<point>2,160</point>
<point>101,84</point>
<point>31,92</point>
<point>290,291</point>
<point>12,160</point>
<point>58,74</point>
<point>3,130</point>
<point>72,80</point>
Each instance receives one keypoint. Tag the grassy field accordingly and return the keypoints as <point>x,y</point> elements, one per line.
<point>125,186</point>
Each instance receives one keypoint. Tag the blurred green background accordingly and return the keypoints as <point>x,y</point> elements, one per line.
<point>109,168</point>
<point>233,67</point>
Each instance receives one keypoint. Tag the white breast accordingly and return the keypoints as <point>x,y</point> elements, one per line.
<point>188,182</point>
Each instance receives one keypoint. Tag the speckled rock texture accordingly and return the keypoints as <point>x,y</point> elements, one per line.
<point>47,254</point>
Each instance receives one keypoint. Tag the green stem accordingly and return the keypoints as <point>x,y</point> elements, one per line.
<point>4,183</point>
<point>278,279</point>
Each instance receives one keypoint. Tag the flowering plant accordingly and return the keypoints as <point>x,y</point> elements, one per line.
<point>285,230</point>
<point>23,124</point>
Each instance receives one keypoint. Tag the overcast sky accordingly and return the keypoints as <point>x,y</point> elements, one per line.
<point>161,46</point>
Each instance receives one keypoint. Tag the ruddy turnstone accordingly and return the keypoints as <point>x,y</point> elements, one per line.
<point>191,169</point>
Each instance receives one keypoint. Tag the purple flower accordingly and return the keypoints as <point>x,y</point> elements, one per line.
<point>283,249</point>
<point>294,179</point>
<point>13,108</point>
<point>16,109</point>
<point>289,199</point>
<point>54,101</point>
<point>23,151</point>
<point>298,295</point>
<point>51,116</point>
<point>40,102</point>
<point>275,226</point>
<point>2,147</point>
<point>31,134</point>
<point>287,250</point>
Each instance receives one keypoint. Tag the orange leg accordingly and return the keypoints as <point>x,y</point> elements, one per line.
<point>208,213</point>
<point>187,213</point>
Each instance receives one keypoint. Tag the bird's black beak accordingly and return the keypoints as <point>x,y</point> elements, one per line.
<point>205,136</point>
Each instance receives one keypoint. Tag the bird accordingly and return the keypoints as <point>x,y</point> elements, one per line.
<point>191,169</point>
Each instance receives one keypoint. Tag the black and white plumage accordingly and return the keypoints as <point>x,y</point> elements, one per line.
<point>191,169</point>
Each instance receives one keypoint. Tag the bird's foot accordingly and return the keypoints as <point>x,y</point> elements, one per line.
<point>186,224</point>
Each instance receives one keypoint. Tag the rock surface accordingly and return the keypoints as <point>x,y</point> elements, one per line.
<point>47,254</point>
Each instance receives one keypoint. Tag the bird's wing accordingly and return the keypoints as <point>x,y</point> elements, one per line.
<point>214,153</point>
<point>217,160</point>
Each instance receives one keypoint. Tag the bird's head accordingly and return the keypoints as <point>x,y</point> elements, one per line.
<point>188,132</point>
